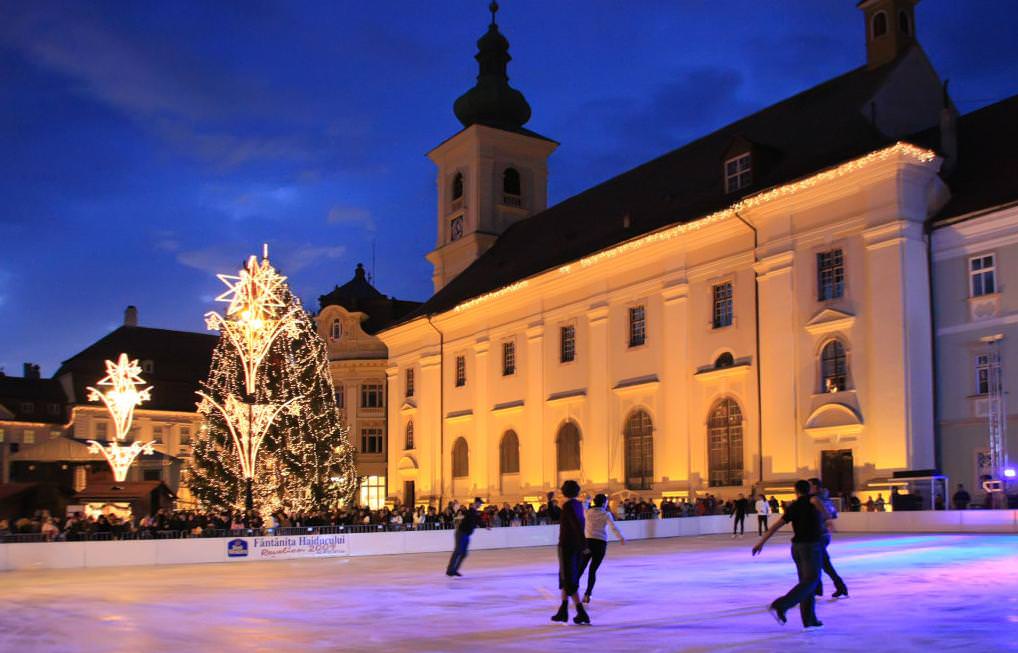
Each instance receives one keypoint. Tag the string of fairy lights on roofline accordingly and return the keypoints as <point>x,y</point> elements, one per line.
<point>900,148</point>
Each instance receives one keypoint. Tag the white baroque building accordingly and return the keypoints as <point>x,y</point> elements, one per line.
<point>752,308</point>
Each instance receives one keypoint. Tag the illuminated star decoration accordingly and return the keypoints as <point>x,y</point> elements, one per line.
<point>248,424</point>
<point>123,379</point>
<point>256,314</point>
<point>120,458</point>
<point>124,396</point>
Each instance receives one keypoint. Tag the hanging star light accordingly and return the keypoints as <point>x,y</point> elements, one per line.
<point>123,396</point>
<point>248,425</point>
<point>256,314</point>
<point>123,379</point>
<point>120,458</point>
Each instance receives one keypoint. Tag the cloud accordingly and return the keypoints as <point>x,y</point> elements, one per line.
<point>307,255</point>
<point>290,258</point>
<point>252,201</point>
<point>352,215</point>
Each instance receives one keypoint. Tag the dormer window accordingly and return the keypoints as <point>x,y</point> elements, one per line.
<point>738,172</point>
<point>456,228</point>
<point>336,330</point>
<point>879,24</point>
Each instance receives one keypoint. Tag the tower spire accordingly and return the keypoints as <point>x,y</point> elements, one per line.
<point>492,101</point>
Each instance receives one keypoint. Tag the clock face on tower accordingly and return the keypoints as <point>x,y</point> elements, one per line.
<point>456,228</point>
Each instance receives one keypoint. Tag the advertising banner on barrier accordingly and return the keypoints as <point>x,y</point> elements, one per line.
<point>286,547</point>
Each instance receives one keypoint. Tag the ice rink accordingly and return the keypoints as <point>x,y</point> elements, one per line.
<point>908,593</point>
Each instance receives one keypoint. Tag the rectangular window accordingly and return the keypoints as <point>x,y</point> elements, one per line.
<point>508,358</point>
<point>100,431</point>
<point>372,492</point>
<point>637,326</point>
<point>54,409</point>
<point>982,275</point>
<point>151,474</point>
<point>371,395</point>
<point>371,440</point>
<point>28,437</point>
<point>27,407</point>
<point>410,382</point>
<point>340,397</point>
<point>738,172</point>
<point>185,436</point>
<point>983,374</point>
<point>157,434</point>
<point>830,275</point>
<point>722,313</point>
<point>54,434</point>
<point>461,371</point>
<point>567,352</point>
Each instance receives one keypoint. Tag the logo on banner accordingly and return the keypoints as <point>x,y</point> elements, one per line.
<point>236,548</point>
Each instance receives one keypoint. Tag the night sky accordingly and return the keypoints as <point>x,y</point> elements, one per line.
<point>145,146</point>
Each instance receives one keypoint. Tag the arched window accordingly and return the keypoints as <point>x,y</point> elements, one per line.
<point>509,454</point>
<point>336,330</point>
<point>460,459</point>
<point>903,23</point>
<point>409,443</point>
<point>511,181</point>
<point>833,367</point>
<point>639,434</point>
<point>724,360</point>
<point>879,24</point>
<point>457,186</point>
<point>568,447</point>
<point>724,440</point>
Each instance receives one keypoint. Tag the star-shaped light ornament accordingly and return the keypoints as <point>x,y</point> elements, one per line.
<point>122,379</point>
<point>256,313</point>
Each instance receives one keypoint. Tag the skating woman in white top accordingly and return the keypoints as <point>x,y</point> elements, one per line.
<point>598,520</point>
<point>763,509</point>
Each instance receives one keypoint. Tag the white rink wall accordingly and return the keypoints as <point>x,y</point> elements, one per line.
<point>70,555</point>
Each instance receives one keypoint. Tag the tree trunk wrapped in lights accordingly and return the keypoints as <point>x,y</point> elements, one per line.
<point>296,452</point>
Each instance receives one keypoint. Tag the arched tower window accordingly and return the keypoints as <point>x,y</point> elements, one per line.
<point>457,186</point>
<point>336,329</point>
<point>460,459</point>
<point>511,182</point>
<point>879,24</point>
<point>639,436</point>
<point>509,454</point>
<point>409,442</point>
<point>833,367</point>
<point>724,441</point>
<point>724,360</point>
<point>903,23</point>
<point>568,447</point>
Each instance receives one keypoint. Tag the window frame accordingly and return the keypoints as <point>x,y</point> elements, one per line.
<point>339,392</point>
<point>509,457</point>
<point>365,393</point>
<point>717,316</point>
<point>563,446</point>
<point>981,273</point>
<point>509,366</point>
<point>636,326</point>
<point>567,346</point>
<point>828,382</point>
<point>982,369</point>
<point>336,329</point>
<point>372,434</point>
<point>886,25</point>
<point>460,371</point>
<point>833,287</point>
<point>408,383</point>
<point>740,178</point>
<point>408,436</point>
<point>460,468</point>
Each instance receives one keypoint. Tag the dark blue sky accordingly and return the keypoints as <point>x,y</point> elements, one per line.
<point>145,146</point>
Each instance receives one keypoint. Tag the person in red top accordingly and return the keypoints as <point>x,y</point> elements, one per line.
<point>572,546</point>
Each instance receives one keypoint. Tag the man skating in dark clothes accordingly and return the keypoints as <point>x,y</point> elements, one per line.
<point>572,546</point>
<point>807,552</point>
<point>463,532</point>
<point>739,511</point>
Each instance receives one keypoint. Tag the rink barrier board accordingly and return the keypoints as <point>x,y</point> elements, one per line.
<point>126,553</point>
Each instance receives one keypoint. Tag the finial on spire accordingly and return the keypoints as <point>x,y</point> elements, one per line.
<point>493,8</point>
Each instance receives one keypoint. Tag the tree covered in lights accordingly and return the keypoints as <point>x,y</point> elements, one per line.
<point>305,461</point>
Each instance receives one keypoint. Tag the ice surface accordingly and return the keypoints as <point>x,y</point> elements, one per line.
<point>909,593</point>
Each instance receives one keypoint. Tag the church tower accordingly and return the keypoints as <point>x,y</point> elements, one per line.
<point>890,29</point>
<point>492,173</point>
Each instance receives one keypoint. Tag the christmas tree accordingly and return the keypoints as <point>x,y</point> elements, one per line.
<point>270,377</point>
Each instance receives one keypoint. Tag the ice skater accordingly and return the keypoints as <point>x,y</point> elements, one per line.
<point>463,532</point>
<point>763,510</point>
<point>821,498</point>
<point>598,519</point>
<point>739,511</point>
<point>572,546</point>
<point>807,552</point>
